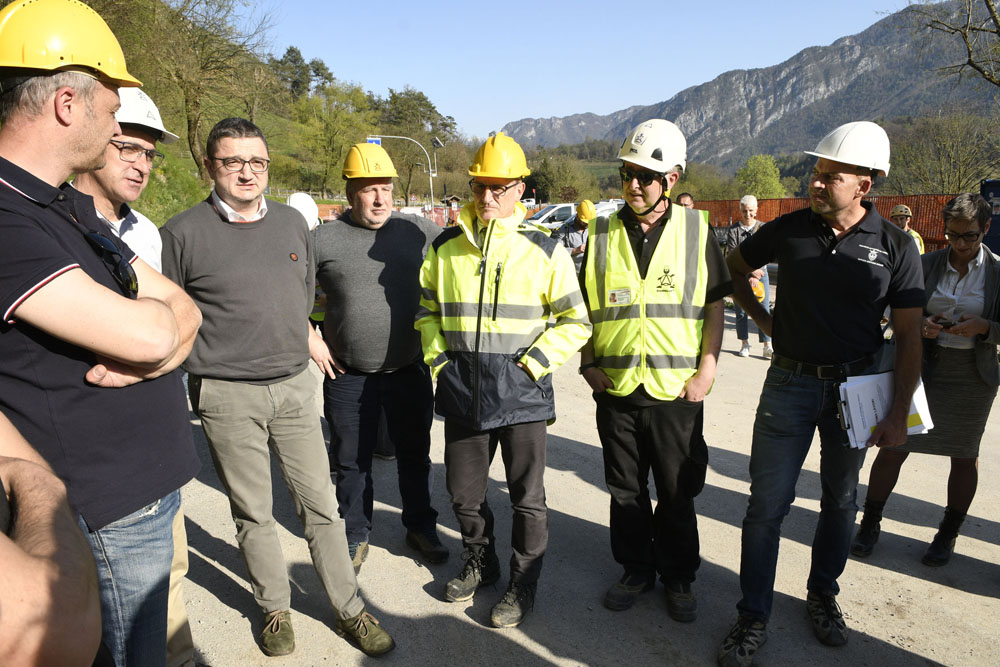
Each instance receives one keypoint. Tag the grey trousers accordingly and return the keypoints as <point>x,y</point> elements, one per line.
<point>242,423</point>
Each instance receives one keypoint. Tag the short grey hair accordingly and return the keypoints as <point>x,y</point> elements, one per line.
<point>29,96</point>
<point>749,201</point>
<point>967,206</point>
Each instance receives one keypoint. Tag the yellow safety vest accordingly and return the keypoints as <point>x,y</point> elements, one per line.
<point>648,332</point>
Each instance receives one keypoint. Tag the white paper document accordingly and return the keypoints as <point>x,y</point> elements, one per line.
<point>865,401</point>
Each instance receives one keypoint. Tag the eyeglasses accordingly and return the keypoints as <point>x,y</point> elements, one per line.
<point>258,165</point>
<point>498,191</point>
<point>968,237</point>
<point>644,176</point>
<point>131,153</point>
<point>122,271</point>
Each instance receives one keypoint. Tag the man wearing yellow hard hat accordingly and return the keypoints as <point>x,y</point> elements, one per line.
<point>377,385</point>
<point>573,234</point>
<point>489,287</point>
<point>901,215</point>
<point>93,331</point>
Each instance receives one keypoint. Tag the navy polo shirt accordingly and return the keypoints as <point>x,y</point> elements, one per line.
<point>117,450</point>
<point>833,291</point>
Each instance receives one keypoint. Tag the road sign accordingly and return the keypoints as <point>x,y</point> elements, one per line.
<point>375,140</point>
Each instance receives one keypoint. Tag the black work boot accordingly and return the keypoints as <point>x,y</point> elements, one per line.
<point>939,551</point>
<point>514,606</point>
<point>482,567</point>
<point>868,532</point>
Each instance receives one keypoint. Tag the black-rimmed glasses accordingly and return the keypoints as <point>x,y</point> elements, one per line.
<point>644,176</point>
<point>497,191</point>
<point>258,165</point>
<point>968,237</point>
<point>132,152</point>
<point>122,271</point>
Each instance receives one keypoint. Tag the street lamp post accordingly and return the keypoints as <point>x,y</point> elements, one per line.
<point>435,143</point>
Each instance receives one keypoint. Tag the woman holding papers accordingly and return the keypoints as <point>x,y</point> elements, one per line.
<point>961,374</point>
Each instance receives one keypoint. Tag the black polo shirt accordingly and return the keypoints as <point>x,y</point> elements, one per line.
<point>117,450</point>
<point>833,291</point>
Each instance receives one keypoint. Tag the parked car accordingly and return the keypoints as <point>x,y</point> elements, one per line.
<point>553,215</point>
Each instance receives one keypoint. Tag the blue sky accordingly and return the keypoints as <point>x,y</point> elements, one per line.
<point>487,64</point>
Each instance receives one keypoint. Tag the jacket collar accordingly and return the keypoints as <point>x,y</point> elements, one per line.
<point>468,220</point>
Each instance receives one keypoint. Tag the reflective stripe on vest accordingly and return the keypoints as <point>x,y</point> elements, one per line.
<point>648,331</point>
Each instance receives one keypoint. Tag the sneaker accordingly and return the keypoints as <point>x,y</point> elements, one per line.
<point>428,545</point>
<point>827,619</point>
<point>682,606</point>
<point>481,568</point>
<point>623,594</point>
<point>514,606</point>
<point>277,637</point>
<point>741,644</point>
<point>768,352</point>
<point>359,553</point>
<point>366,633</point>
<point>745,350</point>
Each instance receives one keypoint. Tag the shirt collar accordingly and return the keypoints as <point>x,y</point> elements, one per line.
<point>974,263</point>
<point>26,184</point>
<point>231,215</point>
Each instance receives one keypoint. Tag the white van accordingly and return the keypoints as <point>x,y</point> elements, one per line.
<point>553,215</point>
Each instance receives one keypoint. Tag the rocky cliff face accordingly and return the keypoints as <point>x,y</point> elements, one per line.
<point>882,72</point>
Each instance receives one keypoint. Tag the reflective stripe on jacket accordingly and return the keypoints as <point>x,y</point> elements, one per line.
<point>648,331</point>
<point>486,309</point>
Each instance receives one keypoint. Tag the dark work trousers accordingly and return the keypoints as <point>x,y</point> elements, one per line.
<point>667,439</point>
<point>356,405</point>
<point>467,457</point>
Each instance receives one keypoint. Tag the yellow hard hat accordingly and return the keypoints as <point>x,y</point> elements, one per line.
<point>368,161</point>
<point>499,157</point>
<point>58,35</point>
<point>901,209</point>
<point>586,211</point>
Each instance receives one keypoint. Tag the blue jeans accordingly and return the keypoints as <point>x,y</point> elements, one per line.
<point>133,558</point>
<point>743,322</point>
<point>791,408</point>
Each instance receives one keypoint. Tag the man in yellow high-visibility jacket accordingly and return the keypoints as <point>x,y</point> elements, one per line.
<point>489,287</point>
<point>654,278</point>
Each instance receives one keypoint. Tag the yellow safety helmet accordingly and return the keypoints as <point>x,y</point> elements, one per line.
<point>368,161</point>
<point>901,209</point>
<point>499,157</point>
<point>586,211</point>
<point>55,35</point>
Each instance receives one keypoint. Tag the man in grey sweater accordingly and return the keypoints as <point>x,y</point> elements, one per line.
<point>248,264</point>
<point>367,263</point>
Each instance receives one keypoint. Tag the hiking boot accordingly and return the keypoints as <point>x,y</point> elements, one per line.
<point>941,547</point>
<point>741,644</point>
<point>481,568</point>
<point>623,594</point>
<point>867,536</point>
<point>514,606</point>
<point>827,619</point>
<point>366,633</point>
<point>428,545</point>
<point>358,552</point>
<point>277,637</point>
<point>682,606</point>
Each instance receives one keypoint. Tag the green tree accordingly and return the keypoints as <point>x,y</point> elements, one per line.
<point>294,72</point>
<point>707,182</point>
<point>760,177</point>
<point>561,179</point>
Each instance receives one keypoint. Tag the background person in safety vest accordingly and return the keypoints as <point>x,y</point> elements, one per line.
<point>760,283</point>
<point>655,279</point>
<point>901,216</point>
<point>368,264</point>
<point>573,234</point>
<point>92,331</point>
<point>130,158</point>
<point>248,263</point>
<point>488,288</point>
<point>840,264</point>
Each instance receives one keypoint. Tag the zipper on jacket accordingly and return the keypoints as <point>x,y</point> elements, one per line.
<point>496,290</point>
<point>479,322</point>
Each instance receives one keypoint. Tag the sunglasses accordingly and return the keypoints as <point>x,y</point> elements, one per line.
<point>644,176</point>
<point>122,271</point>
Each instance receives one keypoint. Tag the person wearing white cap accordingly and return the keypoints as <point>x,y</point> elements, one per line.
<point>840,264</point>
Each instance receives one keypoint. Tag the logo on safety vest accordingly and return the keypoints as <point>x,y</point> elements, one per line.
<point>666,282</point>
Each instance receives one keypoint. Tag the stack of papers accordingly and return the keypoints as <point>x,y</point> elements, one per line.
<point>865,401</point>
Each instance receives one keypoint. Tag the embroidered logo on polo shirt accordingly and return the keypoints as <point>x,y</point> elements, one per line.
<point>874,255</point>
<point>294,257</point>
<point>665,283</point>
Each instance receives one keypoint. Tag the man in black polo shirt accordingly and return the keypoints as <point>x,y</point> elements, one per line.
<point>840,264</point>
<point>90,333</point>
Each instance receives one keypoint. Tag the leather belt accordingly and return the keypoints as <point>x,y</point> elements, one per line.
<point>824,372</point>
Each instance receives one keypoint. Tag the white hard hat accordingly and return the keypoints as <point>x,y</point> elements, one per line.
<point>657,145</point>
<point>305,205</point>
<point>138,109</point>
<point>862,144</point>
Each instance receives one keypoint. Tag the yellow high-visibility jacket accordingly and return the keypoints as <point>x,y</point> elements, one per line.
<point>648,331</point>
<point>484,309</point>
